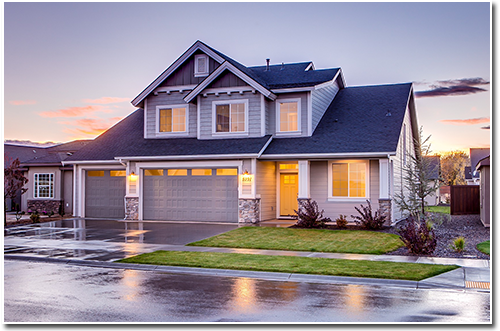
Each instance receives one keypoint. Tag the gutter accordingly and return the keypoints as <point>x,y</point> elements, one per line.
<point>328,155</point>
<point>188,157</point>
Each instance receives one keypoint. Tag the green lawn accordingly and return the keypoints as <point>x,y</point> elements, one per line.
<point>438,209</point>
<point>338,241</point>
<point>292,264</point>
<point>484,247</point>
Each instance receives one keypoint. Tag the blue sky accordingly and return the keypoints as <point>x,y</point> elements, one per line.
<point>71,69</point>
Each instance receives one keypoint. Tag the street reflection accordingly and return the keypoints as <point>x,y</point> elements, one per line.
<point>243,291</point>
<point>131,280</point>
<point>354,298</point>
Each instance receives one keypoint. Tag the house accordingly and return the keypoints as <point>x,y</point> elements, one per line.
<point>483,167</point>
<point>434,167</point>
<point>50,184</point>
<point>471,177</point>
<point>214,140</point>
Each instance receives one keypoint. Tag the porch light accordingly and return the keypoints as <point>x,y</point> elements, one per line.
<point>133,176</point>
<point>245,173</point>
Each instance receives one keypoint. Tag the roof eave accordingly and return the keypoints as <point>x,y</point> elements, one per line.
<point>186,157</point>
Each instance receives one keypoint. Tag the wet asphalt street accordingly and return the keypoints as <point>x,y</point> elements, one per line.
<point>46,292</point>
<point>56,292</point>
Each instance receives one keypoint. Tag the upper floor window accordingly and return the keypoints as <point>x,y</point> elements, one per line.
<point>44,186</point>
<point>230,116</point>
<point>200,65</point>
<point>288,115</point>
<point>348,179</point>
<point>171,118</point>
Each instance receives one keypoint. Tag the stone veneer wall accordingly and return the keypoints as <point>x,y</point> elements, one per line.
<point>385,207</point>
<point>45,205</point>
<point>249,211</point>
<point>132,208</point>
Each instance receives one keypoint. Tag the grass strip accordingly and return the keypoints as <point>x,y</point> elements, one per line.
<point>484,247</point>
<point>313,240</point>
<point>438,209</point>
<point>292,264</point>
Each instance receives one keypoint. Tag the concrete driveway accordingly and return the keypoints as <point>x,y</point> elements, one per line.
<point>103,240</point>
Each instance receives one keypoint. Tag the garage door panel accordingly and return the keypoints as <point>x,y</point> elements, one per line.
<point>104,195</point>
<point>191,198</point>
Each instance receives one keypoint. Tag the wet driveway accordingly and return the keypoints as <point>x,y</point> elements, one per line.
<point>103,240</point>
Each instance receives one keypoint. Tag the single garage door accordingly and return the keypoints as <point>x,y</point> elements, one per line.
<point>191,194</point>
<point>104,193</point>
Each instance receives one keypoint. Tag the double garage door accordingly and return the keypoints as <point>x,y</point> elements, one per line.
<point>191,194</point>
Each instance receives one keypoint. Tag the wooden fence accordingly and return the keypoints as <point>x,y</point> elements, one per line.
<point>464,199</point>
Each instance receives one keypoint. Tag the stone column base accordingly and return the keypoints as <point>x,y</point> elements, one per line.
<point>131,208</point>
<point>385,207</point>
<point>249,211</point>
<point>44,205</point>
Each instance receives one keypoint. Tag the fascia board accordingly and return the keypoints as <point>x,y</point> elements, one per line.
<point>293,89</point>
<point>177,63</point>
<point>91,162</point>
<point>187,157</point>
<point>235,71</point>
<point>328,155</point>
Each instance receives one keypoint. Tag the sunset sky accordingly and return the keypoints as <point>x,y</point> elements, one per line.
<point>71,69</point>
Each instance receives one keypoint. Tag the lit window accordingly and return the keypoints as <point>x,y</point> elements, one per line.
<point>230,117</point>
<point>95,173</point>
<point>349,179</point>
<point>172,119</point>
<point>201,172</point>
<point>177,172</point>
<point>117,173</point>
<point>227,172</point>
<point>44,186</point>
<point>288,166</point>
<point>153,172</point>
<point>288,116</point>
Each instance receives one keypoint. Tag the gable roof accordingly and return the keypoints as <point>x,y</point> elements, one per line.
<point>469,174</point>
<point>356,122</point>
<point>292,75</point>
<point>476,154</point>
<point>125,140</point>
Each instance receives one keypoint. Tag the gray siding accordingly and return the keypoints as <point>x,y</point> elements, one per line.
<point>319,191</point>
<point>68,192</point>
<point>184,75</point>
<point>164,99</point>
<point>266,188</point>
<point>270,117</point>
<point>321,99</point>
<point>303,110</point>
<point>76,191</point>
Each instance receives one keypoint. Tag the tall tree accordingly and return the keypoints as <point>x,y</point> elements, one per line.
<point>453,167</point>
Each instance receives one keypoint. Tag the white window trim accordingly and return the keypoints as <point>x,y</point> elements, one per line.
<point>170,134</point>
<point>299,116</point>
<point>36,192</point>
<point>349,199</point>
<point>214,118</point>
<point>197,72</point>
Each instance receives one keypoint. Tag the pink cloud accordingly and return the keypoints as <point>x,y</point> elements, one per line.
<point>106,100</point>
<point>469,121</point>
<point>74,111</point>
<point>22,102</point>
<point>89,127</point>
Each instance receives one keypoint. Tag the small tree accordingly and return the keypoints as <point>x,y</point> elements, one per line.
<point>417,180</point>
<point>14,181</point>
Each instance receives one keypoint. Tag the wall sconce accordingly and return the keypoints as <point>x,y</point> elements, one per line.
<point>245,173</point>
<point>133,176</point>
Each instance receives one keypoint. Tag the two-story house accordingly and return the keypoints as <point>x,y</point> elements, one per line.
<point>214,140</point>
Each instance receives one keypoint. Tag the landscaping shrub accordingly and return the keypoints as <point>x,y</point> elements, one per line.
<point>309,216</point>
<point>458,244</point>
<point>417,236</point>
<point>35,217</point>
<point>367,220</point>
<point>341,221</point>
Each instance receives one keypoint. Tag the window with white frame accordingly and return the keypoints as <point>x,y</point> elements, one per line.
<point>288,115</point>
<point>44,186</point>
<point>200,65</point>
<point>230,116</point>
<point>348,179</point>
<point>172,119</point>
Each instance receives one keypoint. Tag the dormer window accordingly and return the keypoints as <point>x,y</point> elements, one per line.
<point>288,115</point>
<point>171,119</point>
<point>201,65</point>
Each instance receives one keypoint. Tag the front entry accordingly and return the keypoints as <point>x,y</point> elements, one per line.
<point>289,189</point>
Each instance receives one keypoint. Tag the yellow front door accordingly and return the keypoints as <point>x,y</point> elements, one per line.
<point>289,188</point>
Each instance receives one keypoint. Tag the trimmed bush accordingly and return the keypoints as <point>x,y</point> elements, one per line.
<point>367,220</point>
<point>341,221</point>
<point>309,216</point>
<point>417,236</point>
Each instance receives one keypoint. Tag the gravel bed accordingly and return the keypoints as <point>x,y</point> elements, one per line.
<point>468,226</point>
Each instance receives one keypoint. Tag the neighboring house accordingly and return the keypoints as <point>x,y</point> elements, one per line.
<point>483,167</point>
<point>434,163</point>
<point>477,154</point>
<point>50,183</point>
<point>214,140</point>
<point>471,177</point>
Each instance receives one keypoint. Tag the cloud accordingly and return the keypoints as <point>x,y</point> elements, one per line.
<point>469,121</point>
<point>106,100</point>
<point>22,102</point>
<point>90,126</point>
<point>485,127</point>
<point>74,111</point>
<point>461,86</point>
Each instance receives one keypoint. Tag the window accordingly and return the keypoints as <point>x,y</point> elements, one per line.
<point>227,172</point>
<point>288,166</point>
<point>200,65</point>
<point>95,173</point>
<point>288,115</point>
<point>177,172</point>
<point>44,186</point>
<point>348,179</point>
<point>153,172</point>
<point>201,172</point>
<point>117,173</point>
<point>171,119</point>
<point>230,117</point>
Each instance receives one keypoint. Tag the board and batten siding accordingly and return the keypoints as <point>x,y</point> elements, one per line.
<point>227,79</point>
<point>398,160</point>
<point>184,75</point>
<point>319,191</point>
<point>303,110</point>
<point>266,188</point>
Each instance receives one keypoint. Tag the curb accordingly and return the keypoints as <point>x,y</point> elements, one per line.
<point>274,276</point>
